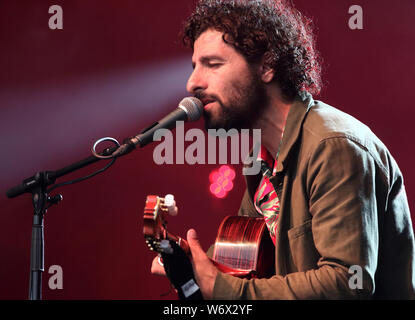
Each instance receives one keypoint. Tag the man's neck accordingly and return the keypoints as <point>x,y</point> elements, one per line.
<point>272,123</point>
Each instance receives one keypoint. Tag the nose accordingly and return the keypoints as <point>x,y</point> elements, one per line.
<point>196,82</point>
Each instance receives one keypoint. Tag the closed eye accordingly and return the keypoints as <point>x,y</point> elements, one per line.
<point>212,61</point>
<point>214,65</point>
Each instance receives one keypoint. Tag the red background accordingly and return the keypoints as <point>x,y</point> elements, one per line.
<point>114,68</point>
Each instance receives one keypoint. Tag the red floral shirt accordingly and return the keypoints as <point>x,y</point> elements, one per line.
<point>266,200</point>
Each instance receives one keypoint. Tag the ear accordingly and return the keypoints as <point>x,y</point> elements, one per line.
<point>267,73</point>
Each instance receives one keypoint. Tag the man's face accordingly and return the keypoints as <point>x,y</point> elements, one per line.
<point>231,90</point>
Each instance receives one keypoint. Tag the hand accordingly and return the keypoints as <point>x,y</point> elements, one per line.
<point>204,270</point>
<point>157,268</point>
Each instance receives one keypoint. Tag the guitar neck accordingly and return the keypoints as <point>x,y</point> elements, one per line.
<point>242,248</point>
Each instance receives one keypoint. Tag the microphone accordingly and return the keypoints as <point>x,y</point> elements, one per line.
<point>189,109</point>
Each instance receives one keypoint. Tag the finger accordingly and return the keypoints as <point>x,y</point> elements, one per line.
<point>157,268</point>
<point>194,244</point>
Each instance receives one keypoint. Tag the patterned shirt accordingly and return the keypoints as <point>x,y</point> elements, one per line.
<point>266,200</point>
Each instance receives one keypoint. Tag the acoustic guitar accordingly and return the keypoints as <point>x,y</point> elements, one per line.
<point>243,247</point>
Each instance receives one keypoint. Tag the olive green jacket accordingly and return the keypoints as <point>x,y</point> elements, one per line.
<point>343,209</point>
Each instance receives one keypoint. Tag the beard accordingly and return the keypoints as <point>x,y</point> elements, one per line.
<point>245,105</point>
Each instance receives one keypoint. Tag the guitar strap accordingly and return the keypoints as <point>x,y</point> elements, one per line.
<point>179,270</point>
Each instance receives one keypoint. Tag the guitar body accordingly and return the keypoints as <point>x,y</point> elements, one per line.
<point>243,247</point>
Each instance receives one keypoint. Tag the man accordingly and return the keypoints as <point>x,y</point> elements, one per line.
<point>331,194</point>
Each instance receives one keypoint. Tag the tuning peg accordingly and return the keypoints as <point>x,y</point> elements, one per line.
<point>170,203</point>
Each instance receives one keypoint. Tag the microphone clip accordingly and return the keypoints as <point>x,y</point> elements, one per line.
<point>127,146</point>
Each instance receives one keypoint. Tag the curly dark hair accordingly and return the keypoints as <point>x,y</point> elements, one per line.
<point>271,29</point>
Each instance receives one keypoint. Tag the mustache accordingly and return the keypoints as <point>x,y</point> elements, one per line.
<point>203,96</point>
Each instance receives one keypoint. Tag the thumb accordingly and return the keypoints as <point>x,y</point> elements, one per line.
<point>194,244</point>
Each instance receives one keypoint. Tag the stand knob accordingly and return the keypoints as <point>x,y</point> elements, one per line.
<point>55,199</point>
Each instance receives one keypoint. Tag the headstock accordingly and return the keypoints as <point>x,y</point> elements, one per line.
<point>155,224</point>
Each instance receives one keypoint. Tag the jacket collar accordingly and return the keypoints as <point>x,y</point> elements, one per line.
<point>296,116</point>
<point>295,119</point>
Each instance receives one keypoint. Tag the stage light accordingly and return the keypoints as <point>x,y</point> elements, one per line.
<point>221,181</point>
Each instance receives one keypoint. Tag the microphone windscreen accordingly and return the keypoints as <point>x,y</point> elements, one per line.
<point>193,108</point>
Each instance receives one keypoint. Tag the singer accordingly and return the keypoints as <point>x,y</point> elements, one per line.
<point>332,196</point>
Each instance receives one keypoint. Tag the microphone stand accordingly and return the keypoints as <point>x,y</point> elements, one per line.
<point>37,259</point>
<point>37,186</point>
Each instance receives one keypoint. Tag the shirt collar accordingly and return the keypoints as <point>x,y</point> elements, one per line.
<point>265,156</point>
